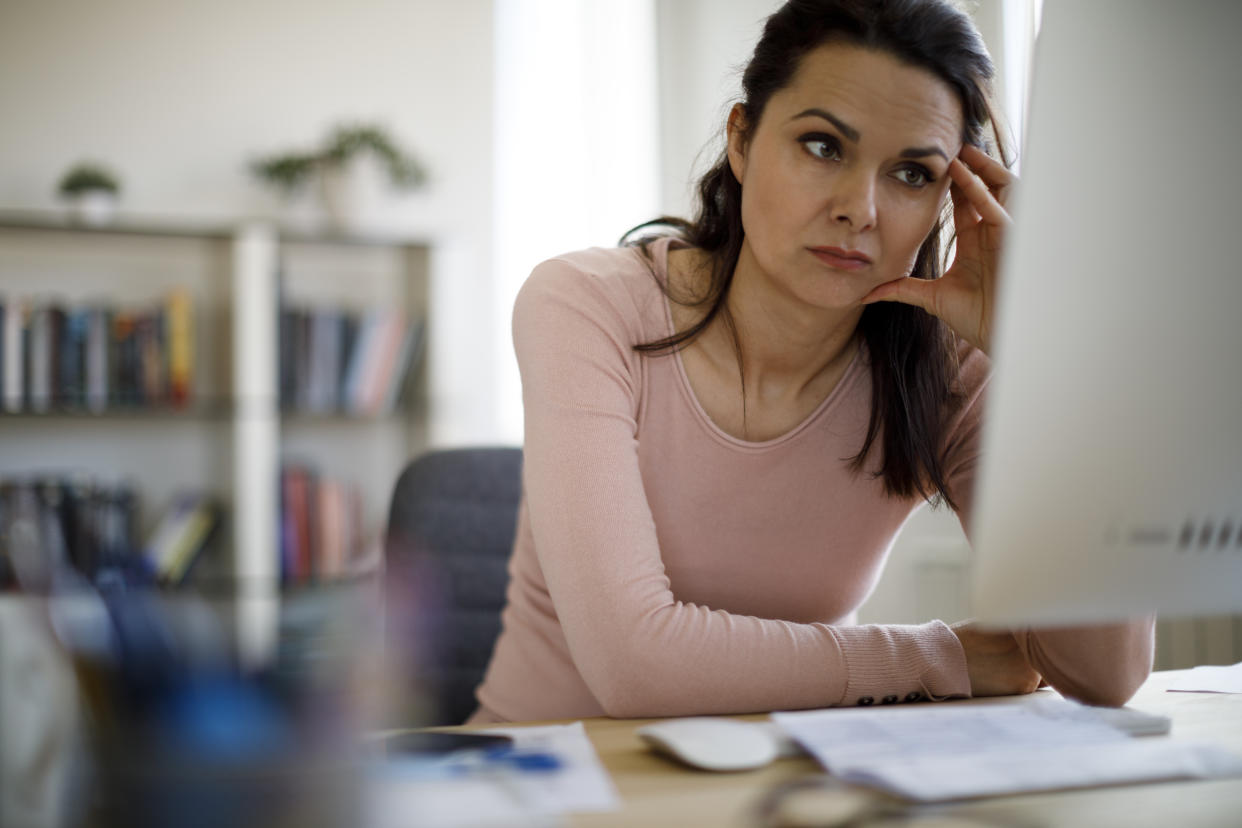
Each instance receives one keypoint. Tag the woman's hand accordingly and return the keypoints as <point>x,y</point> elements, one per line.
<point>995,664</point>
<point>965,296</point>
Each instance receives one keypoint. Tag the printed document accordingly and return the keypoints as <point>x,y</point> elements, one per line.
<point>1209,679</point>
<point>936,752</point>
<point>493,792</point>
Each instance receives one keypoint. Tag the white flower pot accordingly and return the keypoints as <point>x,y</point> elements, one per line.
<point>356,193</point>
<point>93,208</point>
<point>301,210</point>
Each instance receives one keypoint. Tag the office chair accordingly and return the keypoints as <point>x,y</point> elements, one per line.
<point>450,531</point>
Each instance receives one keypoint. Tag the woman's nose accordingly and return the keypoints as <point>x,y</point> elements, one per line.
<point>853,201</point>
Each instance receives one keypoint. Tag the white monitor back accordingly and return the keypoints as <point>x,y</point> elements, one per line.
<point>1111,483</point>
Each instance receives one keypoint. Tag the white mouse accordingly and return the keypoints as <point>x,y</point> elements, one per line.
<point>712,744</point>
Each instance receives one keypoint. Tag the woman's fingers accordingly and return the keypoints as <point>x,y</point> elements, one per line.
<point>964,213</point>
<point>910,291</point>
<point>994,173</point>
<point>977,193</point>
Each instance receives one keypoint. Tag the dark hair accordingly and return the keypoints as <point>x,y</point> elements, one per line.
<point>913,354</point>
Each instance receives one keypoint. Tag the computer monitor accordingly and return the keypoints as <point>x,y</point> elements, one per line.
<point>1111,481</point>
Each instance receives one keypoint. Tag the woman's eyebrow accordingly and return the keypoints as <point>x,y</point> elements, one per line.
<point>853,135</point>
<point>846,130</point>
<point>923,152</point>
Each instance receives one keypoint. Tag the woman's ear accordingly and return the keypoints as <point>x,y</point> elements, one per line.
<point>737,133</point>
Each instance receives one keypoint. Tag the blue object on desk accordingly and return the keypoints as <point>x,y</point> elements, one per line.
<point>471,763</point>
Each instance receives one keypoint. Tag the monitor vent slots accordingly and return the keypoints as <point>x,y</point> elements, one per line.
<point>1209,534</point>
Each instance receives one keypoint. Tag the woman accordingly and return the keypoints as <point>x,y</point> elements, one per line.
<point>718,458</point>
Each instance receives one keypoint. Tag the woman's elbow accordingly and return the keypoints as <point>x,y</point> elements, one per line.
<point>1114,680</point>
<point>1113,691</point>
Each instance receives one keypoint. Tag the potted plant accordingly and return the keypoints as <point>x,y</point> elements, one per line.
<point>92,191</point>
<point>290,175</point>
<point>361,164</point>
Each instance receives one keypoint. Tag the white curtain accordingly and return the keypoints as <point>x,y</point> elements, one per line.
<point>576,143</point>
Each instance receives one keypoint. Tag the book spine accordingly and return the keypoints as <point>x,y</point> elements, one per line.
<point>27,359</point>
<point>288,527</point>
<point>324,348</point>
<point>407,361</point>
<point>288,388</point>
<point>383,358</point>
<point>40,360</point>
<point>57,342</point>
<point>72,385</point>
<point>349,336</point>
<point>330,358</point>
<point>123,338</point>
<point>97,342</point>
<point>360,360</point>
<point>180,315</point>
<point>14,355</point>
<point>4,341</point>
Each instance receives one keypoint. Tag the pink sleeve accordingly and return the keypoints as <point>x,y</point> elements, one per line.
<point>1097,665</point>
<point>641,651</point>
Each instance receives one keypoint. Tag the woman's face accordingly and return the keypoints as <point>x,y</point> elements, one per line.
<point>845,174</point>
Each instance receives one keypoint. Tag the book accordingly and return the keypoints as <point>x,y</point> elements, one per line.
<point>91,358</point>
<point>42,360</point>
<point>360,360</point>
<point>70,391</point>
<point>378,367</point>
<point>180,338</point>
<point>324,355</point>
<point>98,360</point>
<point>407,360</point>
<point>183,532</point>
<point>14,355</point>
<point>288,348</point>
<point>298,489</point>
<point>330,551</point>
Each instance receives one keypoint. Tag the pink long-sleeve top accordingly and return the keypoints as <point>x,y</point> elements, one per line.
<point>663,567</point>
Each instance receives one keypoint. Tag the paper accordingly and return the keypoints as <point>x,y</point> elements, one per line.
<point>502,797</point>
<point>940,752</point>
<point>1209,680</point>
<point>581,785</point>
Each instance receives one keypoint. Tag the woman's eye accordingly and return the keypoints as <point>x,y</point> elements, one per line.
<point>822,146</point>
<point>914,176</point>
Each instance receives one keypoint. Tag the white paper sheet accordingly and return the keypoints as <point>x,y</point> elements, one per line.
<point>1209,680</point>
<point>941,752</point>
<point>502,797</point>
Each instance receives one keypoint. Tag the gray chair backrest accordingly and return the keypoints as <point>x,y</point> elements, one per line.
<point>450,532</point>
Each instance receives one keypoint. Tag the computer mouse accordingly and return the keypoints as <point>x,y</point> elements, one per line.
<point>711,743</point>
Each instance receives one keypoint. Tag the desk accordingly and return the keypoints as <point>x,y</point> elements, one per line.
<point>656,792</point>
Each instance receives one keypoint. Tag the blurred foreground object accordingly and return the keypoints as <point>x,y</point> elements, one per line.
<point>180,736</point>
<point>174,732</point>
<point>40,752</point>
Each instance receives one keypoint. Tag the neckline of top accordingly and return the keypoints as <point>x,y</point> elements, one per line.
<point>659,252</point>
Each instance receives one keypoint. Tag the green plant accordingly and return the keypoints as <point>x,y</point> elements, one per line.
<point>288,172</point>
<point>347,141</point>
<point>86,177</point>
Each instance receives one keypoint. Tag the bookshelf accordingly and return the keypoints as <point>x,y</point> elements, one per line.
<point>235,433</point>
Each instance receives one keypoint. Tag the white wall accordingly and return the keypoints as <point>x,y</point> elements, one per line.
<point>178,97</point>
<point>703,47</point>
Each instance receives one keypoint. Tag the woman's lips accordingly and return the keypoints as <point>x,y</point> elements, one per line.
<point>841,259</point>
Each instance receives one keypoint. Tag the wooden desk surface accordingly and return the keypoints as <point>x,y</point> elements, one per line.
<point>657,792</point>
